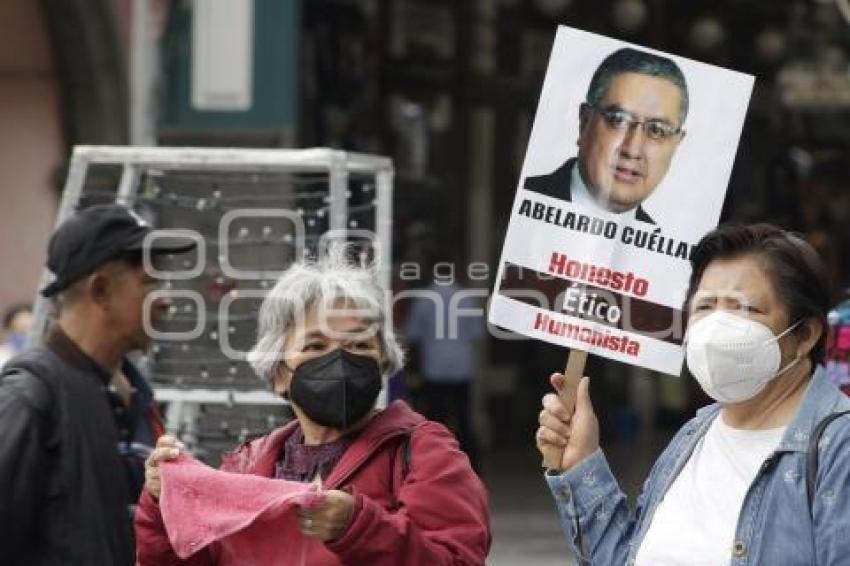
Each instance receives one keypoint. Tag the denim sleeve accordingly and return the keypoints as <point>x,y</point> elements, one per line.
<point>832,495</point>
<point>594,511</point>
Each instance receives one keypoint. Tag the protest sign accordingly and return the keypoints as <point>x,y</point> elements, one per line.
<point>626,169</point>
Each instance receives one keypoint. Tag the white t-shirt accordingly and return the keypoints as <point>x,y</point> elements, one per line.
<point>695,523</point>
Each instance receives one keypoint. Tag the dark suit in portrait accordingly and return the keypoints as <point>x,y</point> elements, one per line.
<point>557,185</point>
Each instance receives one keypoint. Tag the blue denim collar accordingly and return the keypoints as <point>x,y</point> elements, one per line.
<point>819,400</point>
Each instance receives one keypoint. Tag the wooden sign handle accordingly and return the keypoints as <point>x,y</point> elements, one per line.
<point>573,373</point>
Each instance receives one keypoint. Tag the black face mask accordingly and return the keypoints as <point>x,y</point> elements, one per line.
<point>336,389</point>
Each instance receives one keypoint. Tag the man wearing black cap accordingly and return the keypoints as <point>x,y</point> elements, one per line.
<point>63,490</point>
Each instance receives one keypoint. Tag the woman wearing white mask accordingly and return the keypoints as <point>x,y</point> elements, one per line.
<point>745,481</point>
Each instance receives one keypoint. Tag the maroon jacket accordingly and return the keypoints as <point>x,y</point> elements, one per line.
<point>435,514</point>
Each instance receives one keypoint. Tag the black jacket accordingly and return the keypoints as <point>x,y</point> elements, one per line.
<point>62,487</point>
<point>557,185</point>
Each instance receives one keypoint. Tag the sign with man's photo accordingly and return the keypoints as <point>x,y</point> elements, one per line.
<point>626,168</point>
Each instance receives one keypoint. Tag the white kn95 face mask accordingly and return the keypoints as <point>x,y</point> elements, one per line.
<point>733,358</point>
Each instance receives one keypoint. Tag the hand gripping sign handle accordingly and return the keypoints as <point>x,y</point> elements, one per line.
<point>572,375</point>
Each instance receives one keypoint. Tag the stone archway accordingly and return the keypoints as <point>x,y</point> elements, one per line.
<point>87,53</point>
<point>62,82</point>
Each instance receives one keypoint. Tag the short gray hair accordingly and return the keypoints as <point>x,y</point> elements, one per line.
<point>309,283</point>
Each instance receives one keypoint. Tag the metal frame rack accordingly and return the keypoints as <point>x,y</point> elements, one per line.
<point>184,403</point>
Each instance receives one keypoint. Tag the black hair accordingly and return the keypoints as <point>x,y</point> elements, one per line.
<point>628,60</point>
<point>133,258</point>
<point>793,266</point>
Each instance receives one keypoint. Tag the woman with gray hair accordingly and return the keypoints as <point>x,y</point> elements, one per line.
<point>396,487</point>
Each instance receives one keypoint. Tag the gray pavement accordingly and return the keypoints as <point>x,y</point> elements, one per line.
<point>525,524</point>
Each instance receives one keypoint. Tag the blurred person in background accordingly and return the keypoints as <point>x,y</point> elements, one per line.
<point>838,346</point>
<point>16,324</point>
<point>736,485</point>
<point>446,324</point>
<point>396,489</point>
<point>64,492</point>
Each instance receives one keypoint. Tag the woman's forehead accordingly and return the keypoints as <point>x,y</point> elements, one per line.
<point>336,322</point>
<point>745,276</point>
<point>341,311</point>
<point>334,319</point>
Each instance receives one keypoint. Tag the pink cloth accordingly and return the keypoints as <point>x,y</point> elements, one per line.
<point>251,517</point>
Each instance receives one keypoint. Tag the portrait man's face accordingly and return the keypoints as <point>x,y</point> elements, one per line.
<point>620,161</point>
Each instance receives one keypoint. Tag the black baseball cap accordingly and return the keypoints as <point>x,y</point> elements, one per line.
<point>98,234</point>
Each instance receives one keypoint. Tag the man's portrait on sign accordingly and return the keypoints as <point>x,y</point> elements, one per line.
<point>630,125</point>
<point>627,166</point>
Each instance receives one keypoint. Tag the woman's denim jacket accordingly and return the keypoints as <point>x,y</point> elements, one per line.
<point>774,526</point>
